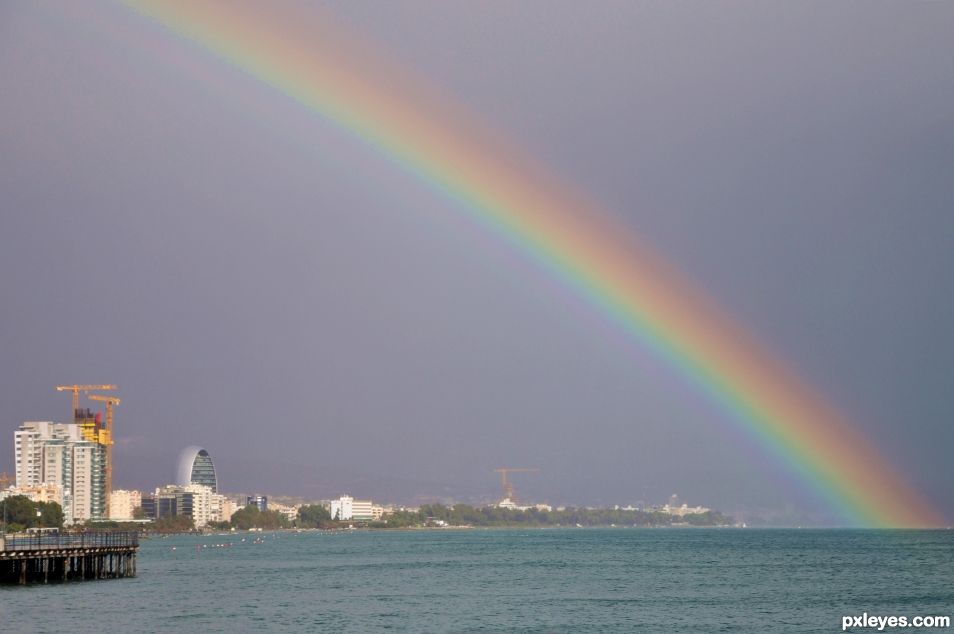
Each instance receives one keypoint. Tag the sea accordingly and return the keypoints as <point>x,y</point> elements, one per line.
<point>539,580</point>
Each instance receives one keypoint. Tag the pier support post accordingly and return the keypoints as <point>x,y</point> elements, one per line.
<point>67,558</point>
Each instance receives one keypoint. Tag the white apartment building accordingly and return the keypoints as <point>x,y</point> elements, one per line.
<point>27,452</point>
<point>50,453</point>
<point>28,442</point>
<point>57,470</point>
<point>348,508</point>
<point>206,506</point>
<point>89,481</point>
<point>341,508</point>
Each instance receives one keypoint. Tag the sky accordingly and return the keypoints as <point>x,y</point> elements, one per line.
<point>261,283</point>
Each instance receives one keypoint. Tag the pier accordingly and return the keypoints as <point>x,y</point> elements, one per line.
<point>48,558</point>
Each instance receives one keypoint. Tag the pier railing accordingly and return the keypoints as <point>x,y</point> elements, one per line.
<point>58,541</point>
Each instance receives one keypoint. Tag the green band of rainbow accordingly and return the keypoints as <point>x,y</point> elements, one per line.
<point>314,63</point>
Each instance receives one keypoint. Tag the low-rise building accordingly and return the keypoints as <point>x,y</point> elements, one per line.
<point>290,512</point>
<point>122,504</point>
<point>684,510</point>
<point>167,501</point>
<point>37,493</point>
<point>227,509</point>
<point>508,503</point>
<point>194,500</point>
<point>204,504</point>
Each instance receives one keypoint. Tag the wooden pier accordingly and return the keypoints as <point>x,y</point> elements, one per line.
<point>67,557</point>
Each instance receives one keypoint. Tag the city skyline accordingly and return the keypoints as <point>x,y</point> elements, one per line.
<point>45,472</point>
<point>241,266</point>
<point>40,458</point>
<point>68,464</point>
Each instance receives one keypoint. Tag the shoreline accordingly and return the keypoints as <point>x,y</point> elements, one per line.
<point>415,529</point>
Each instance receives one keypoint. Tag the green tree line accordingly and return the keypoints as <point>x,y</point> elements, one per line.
<point>488,516</point>
<point>252,517</point>
<point>317,516</point>
<point>20,513</point>
<point>309,516</point>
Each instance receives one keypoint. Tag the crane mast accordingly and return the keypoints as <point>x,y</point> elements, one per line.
<point>506,484</point>
<point>105,438</point>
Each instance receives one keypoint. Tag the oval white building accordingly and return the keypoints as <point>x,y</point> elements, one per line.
<point>195,467</point>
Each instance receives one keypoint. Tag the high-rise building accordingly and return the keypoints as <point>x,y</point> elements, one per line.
<point>57,468</point>
<point>57,454</point>
<point>28,454</point>
<point>89,480</point>
<point>29,441</point>
<point>195,467</point>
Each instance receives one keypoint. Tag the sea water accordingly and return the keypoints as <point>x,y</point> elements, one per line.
<point>552,580</point>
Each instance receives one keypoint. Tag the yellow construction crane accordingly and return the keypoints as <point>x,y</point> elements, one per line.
<point>508,486</point>
<point>76,389</point>
<point>105,438</point>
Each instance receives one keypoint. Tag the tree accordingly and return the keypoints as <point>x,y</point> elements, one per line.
<point>251,517</point>
<point>51,514</point>
<point>244,519</point>
<point>20,512</point>
<point>174,524</point>
<point>312,515</point>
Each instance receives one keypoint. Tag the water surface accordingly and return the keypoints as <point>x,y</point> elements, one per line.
<point>558,580</point>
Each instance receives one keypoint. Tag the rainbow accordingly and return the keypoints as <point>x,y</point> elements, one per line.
<point>313,61</point>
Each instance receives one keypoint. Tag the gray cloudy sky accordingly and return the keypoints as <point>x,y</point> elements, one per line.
<point>259,283</point>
